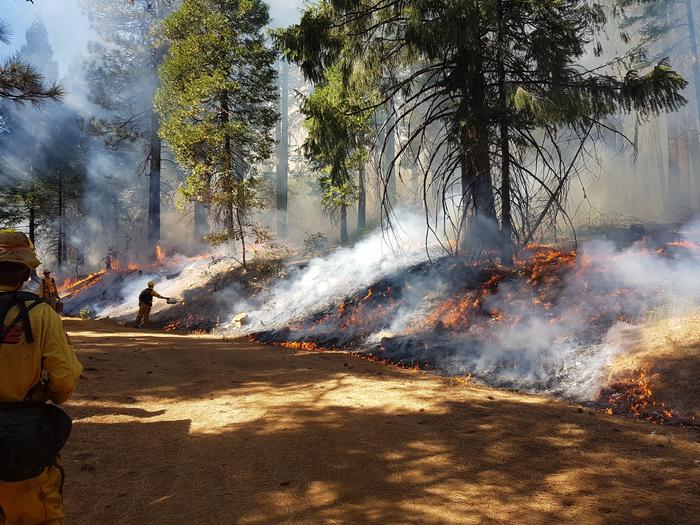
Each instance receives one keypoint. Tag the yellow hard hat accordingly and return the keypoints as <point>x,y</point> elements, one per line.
<point>151,284</point>
<point>15,247</point>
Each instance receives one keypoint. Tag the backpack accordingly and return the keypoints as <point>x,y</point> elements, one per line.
<point>146,296</point>
<point>10,299</point>
<point>31,435</point>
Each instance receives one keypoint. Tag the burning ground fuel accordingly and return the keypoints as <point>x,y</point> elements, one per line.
<point>556,322</point>
<point>553,323</point>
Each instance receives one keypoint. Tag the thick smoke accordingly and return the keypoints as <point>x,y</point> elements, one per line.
<point>115,294</point>
<point>608,291</point>
<point>329,279</point>
<point>553,332</point>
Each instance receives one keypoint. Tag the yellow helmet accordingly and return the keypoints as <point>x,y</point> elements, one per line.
<point>151,284</point>
<point>15,247</point>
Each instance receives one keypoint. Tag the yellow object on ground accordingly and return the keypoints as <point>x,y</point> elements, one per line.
<point>35,501</point>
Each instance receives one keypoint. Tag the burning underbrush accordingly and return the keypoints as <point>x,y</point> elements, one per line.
<point>199,286</point>
<point>552,323</point>
<point>556,322</point>
<point>655,378</point>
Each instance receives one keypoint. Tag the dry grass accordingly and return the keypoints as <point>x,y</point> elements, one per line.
<point>182,429</point>
<point>669,349</point>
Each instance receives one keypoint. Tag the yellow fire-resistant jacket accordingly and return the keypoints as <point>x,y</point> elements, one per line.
<point>48,288</point>
<point>50,357</point>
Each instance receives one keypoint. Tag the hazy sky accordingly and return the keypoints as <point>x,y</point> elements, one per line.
<point>69,30</point>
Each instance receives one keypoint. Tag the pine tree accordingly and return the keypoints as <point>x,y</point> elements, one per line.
<point>337,143</point>
<point>20,82</point>
<point>503,82</point>
<point>667,28</point>
<point>122,75</point>
<point>217,101</point>
<point>32,149</point>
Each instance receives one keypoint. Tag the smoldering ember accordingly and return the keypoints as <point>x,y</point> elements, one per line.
<point>349,262</point>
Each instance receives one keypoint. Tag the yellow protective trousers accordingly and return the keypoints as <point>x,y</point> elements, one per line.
<point>144,314</point>
<point>35,501</point>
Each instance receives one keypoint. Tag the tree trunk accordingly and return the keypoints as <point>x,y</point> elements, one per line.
<point>361,201</point>
<point>506,219</point>
<point>241,233</point>
<point>32,224</point>
<point>201,227</point>
<point>282,151</point>
<point>482,189</point>
<point>657,134</point>
<point>389,154</point>
<point>227,177</point>
<point>685,202</point>
<point>61,225</point>
<point>343,225</point>
<point>678,167</point>
<point>377,154</point>
<point>154,186</point>
<point>694,58</point>
<point>477,187</point>
<point>230,213</point>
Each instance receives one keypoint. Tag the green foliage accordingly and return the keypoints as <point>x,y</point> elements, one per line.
<point>33,157</point>
<point>338,139</point>
<point>270,253</point>
<point>20,80</point>
<point>121,68</point>
<point>476,73</point>
<point>217,100</point>
<point>314,243</point>
<point>652,21</point>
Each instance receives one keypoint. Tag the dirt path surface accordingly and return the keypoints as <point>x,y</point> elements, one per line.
<point>187,430</point>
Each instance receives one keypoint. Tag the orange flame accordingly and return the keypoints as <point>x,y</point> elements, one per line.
<point>684,244</point>
<point>160,254</point>
<point>634,396</point>
<point>300,345</point>
<point>74,286</point>
<point>174,325</point>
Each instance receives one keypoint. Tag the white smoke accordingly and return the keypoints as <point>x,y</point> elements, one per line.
<point>609,291</point>
<point>563,349</point>
<point>329,279</point>
<point>116,296</point>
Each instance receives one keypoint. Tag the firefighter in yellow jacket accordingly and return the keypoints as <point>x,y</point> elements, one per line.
<point>146,303</point>
<point>37,364</point>
<point>49,291</point>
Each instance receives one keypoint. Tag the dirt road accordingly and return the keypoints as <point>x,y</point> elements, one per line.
<point>188,430</point>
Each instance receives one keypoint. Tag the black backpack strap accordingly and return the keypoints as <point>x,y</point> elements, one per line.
<point>7,301</point>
